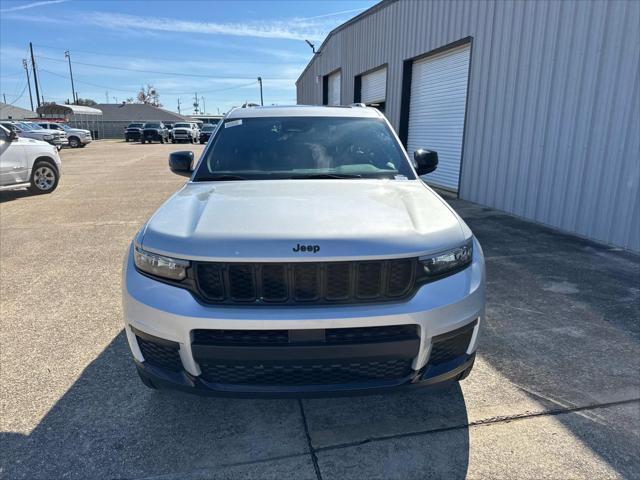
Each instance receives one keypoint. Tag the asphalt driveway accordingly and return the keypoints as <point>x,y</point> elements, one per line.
<point>555,392</point>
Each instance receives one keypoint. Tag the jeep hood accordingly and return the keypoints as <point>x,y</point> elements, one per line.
<point>267,219</point>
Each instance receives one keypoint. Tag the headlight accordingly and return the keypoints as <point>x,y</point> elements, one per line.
<point>160,266</point>
<point>446,263</point>
<point>48,137</point>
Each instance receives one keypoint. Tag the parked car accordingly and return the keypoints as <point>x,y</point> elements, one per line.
<point>29,163</point>
<point>154,132</point>
<point>184,132</point>
<point>206,132</point>
<point>133,132</point>
<point>304,256</point>
<point>34,131</point>
<point>76,137</point>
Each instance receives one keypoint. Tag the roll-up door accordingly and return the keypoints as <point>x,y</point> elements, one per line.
<point>374,86</point>
<point>334,88</point>
<point>437,110</point>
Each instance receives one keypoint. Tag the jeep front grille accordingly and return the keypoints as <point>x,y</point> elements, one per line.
<point>305,283</point>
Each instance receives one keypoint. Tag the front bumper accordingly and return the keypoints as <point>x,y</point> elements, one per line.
<point>170,314</point>
<point>152,136</point>
<point>181,135</point>
<point>132,135</point>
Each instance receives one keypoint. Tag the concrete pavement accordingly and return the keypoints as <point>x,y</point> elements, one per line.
<point>555,392</point>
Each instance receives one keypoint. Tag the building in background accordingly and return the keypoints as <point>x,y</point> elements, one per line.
<point>116,116</point>
<point>533,107</point>
<point>10,112</point>
<point>77,116</point>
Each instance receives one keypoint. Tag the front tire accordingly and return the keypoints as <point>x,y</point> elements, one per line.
<point>142,141</point>
<point>44,178</point>
<point>74,142</point>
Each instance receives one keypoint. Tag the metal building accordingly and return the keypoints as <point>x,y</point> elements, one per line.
<point>533,106</point>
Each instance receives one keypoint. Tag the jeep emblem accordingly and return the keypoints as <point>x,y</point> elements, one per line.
<point>306,248</point>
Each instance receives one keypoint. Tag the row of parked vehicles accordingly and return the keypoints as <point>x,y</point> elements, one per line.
<point>56,134</point>
<point>187,132</point>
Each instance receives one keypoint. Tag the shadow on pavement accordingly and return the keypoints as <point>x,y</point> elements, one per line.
<point>11,195</point>
<point>563,324</point>
<point>108,425</point>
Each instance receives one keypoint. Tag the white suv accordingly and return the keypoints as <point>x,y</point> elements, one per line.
<point>25,162</point>
<point>304,256</point>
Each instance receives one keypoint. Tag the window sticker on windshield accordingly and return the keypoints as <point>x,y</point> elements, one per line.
<point>234,123</point>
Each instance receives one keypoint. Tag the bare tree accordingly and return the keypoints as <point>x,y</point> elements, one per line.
<point>149,95</point>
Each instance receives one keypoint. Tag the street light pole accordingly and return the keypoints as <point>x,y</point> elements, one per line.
<point>73,89</point>
<point>26,69</point>
<point>204,106</point>
<point>260,82</point>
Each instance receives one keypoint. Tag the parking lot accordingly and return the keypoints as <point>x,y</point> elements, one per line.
<point>555,392</point>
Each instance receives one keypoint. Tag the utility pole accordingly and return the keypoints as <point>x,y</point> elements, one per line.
<point>73,90</point>
<point>35,74</point>
<point>260,82</point>
<point>204,106</point>
<point>4,97</point>
<point>106,96</point>
<point>179,113</point>
<point>26,69</point>
<point>195,103</point>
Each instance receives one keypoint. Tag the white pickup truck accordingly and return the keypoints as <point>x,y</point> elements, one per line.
<point>25,162</point>
<point>77,137</point>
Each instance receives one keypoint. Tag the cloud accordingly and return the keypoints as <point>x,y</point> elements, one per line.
<point>31,5</point>
<point>292,29</point>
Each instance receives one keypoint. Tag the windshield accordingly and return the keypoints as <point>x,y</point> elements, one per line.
<point>182,125</point>
<point>27,126</point>
<point>64,127</point>
<point>151,125</point>
<point>303,147</point>
<point>135,125</point>
<point>208,128</point>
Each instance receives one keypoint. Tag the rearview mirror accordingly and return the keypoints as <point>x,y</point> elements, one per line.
<point>425,161</point>
<point>181,163</point>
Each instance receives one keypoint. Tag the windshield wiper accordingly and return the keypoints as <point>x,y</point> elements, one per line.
<point>327,175</point>
<point>223,177</point>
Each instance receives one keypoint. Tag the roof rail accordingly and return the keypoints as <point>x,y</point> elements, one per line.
<point>358,104</point>
<point>249,104</point>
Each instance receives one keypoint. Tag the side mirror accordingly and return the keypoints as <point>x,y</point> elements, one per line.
<point>181,163</point>
<point>425,161</point>
<point>13,136</point>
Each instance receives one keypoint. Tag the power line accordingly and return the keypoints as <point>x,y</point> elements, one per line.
<point>156,72</point>
<point>129,91</point>
<point>11,75</point>
<point>19,96</point>
<point>121,55</point>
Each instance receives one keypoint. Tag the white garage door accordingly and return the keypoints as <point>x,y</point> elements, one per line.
<point>334,89</point>
<point>436,111</point>
<point>374,86</point>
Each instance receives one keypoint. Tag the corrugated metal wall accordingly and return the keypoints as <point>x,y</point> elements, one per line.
<point>553,115</point>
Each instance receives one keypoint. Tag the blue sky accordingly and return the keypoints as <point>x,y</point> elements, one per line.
<point>214,48</point>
